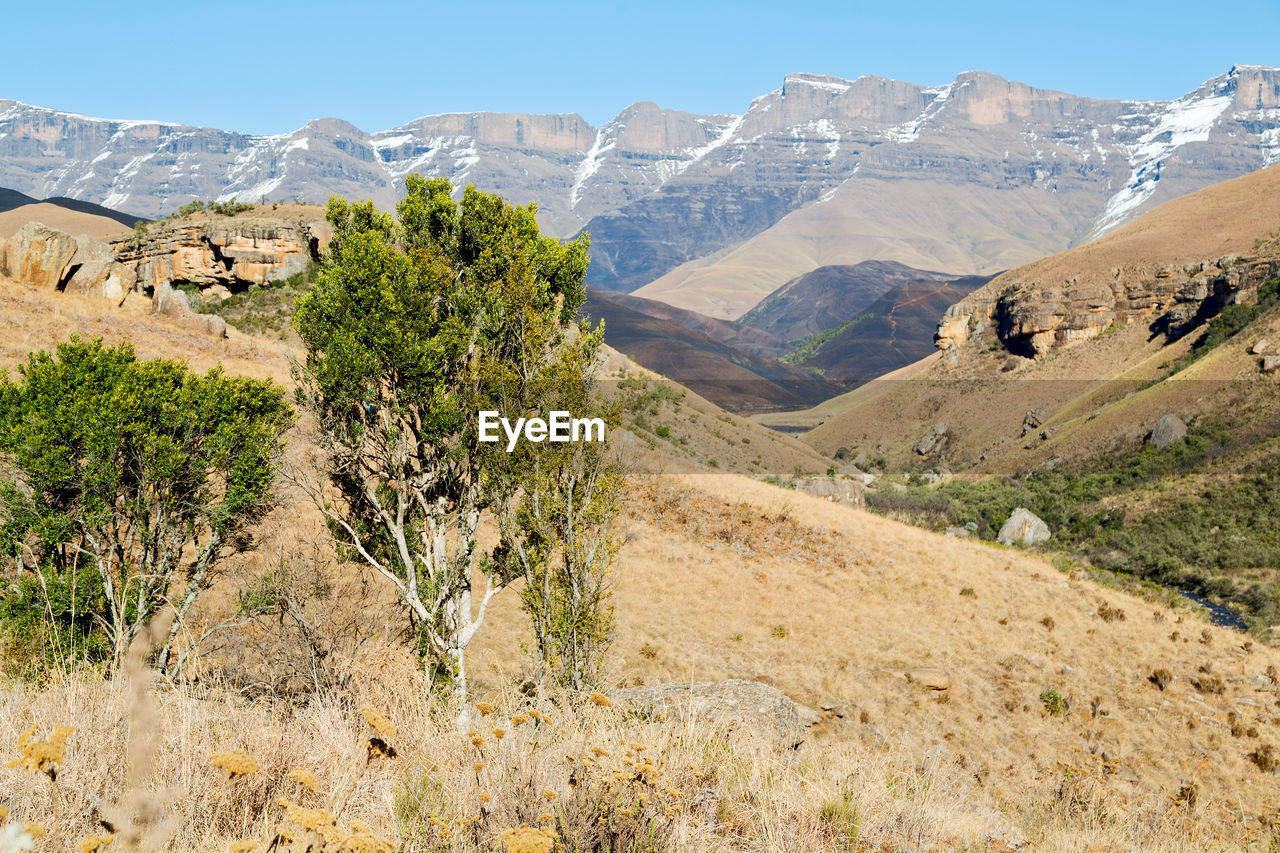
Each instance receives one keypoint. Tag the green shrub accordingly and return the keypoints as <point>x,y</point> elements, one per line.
<point>1055,704</point>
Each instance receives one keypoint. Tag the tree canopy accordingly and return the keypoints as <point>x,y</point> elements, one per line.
<point>124,482</point>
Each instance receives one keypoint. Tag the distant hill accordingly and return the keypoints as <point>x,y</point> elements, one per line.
<point>894,331</point>
<point>826,297</point>
<point>66,214</point>
<point>715,212</point>
<point>729,376</point>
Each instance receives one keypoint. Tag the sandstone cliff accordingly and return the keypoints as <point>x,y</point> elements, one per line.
<point>223,253</point>
<point>1138,273</point>
<point>229,252</point>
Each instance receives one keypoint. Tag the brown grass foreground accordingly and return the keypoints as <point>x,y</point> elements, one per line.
<point>588,778</point>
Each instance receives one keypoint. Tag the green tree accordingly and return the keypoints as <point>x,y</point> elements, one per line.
<point>415,325</point>
<point>124,483</point>
<point>556,511</point>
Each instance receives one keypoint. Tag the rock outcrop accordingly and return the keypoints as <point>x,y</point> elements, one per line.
<point>222,253</point>
<point>933,441</point>
<point>838,490</point>
<point>42,256</point>
<point>53,260</point>
<point>1032,317</point>
<point>231,252</point>
<point>1023,527</point>
<point>96,272</point>
<point>735,705</point>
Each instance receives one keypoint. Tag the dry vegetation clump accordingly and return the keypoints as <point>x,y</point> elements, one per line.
<point>743,527</point>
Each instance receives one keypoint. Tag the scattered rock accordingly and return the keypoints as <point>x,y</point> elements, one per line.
<point>1032,421</point>
<point>841,491</point>
<point>959,533</point>
<point>706,809</point>
<point>1168,429</point>
<point>834,709</point>
<point>930,677</point>
<point>1047,465</point>
<point>736,704</point>
<point>1023,527</point>
<point>932,441</point>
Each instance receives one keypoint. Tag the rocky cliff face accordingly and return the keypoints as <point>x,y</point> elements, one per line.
<point>231,252</point>
<point>658,188</point>
<point>1032,317</point>
<point>214,252</point>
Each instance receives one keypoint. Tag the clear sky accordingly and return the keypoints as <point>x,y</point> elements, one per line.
<point>267,67</point>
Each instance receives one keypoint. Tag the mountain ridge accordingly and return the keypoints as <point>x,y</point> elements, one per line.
<point>819,171</point>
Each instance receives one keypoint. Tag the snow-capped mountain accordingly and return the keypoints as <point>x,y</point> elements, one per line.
<point>970,176</point>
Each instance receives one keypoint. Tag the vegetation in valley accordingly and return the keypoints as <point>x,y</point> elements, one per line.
<point>1162,515</point>
<point>806,349</point>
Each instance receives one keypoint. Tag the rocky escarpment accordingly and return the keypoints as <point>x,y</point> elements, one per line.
<point>1031,316</point>
<point>229,252</point>
<point>221,254</point>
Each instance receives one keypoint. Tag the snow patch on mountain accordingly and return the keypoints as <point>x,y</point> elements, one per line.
<point>591,162</point>
<point>910,131</point>
<point>1189,119</point>
<point>818,81</point>
<point>726,135</point>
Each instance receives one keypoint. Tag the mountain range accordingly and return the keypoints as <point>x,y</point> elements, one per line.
<point>713,213</point>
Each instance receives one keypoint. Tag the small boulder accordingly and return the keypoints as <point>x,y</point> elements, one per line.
<point>1260,347</point>
<point>933,441</point>
<point>1270,363</point>
<point>1168,429</point>
<point>1023,527</point>
<point>171,302</point>
<point>959,533</point>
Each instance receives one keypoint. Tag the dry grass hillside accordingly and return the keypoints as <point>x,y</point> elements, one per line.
<point>1074,716</point>
<point>60,218</point>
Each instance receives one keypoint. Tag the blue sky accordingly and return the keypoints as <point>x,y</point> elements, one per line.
<point>266,67</point>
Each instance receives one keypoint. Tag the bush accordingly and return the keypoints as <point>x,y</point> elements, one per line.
<point>1055,704</point>
<point>129,480</point>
